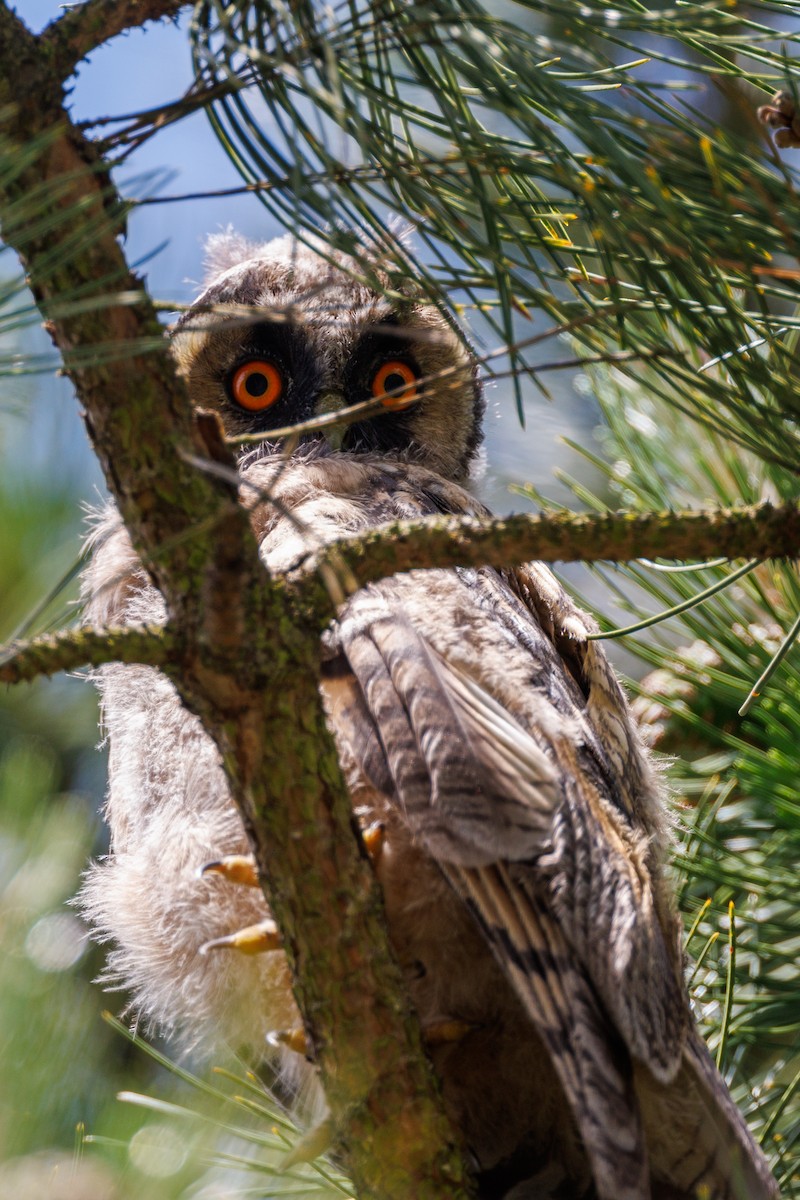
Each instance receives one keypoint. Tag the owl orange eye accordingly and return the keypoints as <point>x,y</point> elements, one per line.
<point>257,385</point>
<point>391,376</point>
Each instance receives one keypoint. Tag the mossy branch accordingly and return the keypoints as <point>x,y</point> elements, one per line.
<point>762,530</point>
<point>154,646</point>
<point>757,531</point>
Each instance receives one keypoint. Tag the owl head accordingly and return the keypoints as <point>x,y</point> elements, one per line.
<point>283,333</point>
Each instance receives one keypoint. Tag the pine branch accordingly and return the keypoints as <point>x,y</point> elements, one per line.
<point>548,192</point>
<point>150,645</point>
<point>82,29</point>
<point>759,531</point>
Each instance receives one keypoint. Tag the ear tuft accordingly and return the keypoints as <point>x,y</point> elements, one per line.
<point>224,250</point>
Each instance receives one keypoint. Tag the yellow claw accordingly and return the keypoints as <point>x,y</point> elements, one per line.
<point>295,1039</point>
<point>373,837</point>
<point>441,1032</point>
<point>254,939</point>
<point>236,868</point>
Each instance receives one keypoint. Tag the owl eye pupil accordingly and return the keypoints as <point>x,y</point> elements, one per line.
<point>256,384</point>
<point>395,384</point>
<point>395,380</point>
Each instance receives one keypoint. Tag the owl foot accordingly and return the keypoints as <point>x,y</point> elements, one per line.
<point>373,838</point>
<point>440,1033</point>
<point>253,939</point>
<point>236,868</point>
<point>293,1039</point>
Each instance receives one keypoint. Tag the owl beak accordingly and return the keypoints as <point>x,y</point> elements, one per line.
<point>331,402</point>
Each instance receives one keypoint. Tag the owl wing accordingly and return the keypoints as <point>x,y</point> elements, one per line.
<point>541,811</point>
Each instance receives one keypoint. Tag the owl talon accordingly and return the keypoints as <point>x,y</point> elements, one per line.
<point>294,1039</point>
<point>236,868</point>
<point>254,939</point>
<point>373,838</point>
<point>440,1033</point>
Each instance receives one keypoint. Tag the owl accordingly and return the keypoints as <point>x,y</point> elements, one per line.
<point>519,831</point>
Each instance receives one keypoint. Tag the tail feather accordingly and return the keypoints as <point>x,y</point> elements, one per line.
<point>591,1062</point>
<point>699,1143</point>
